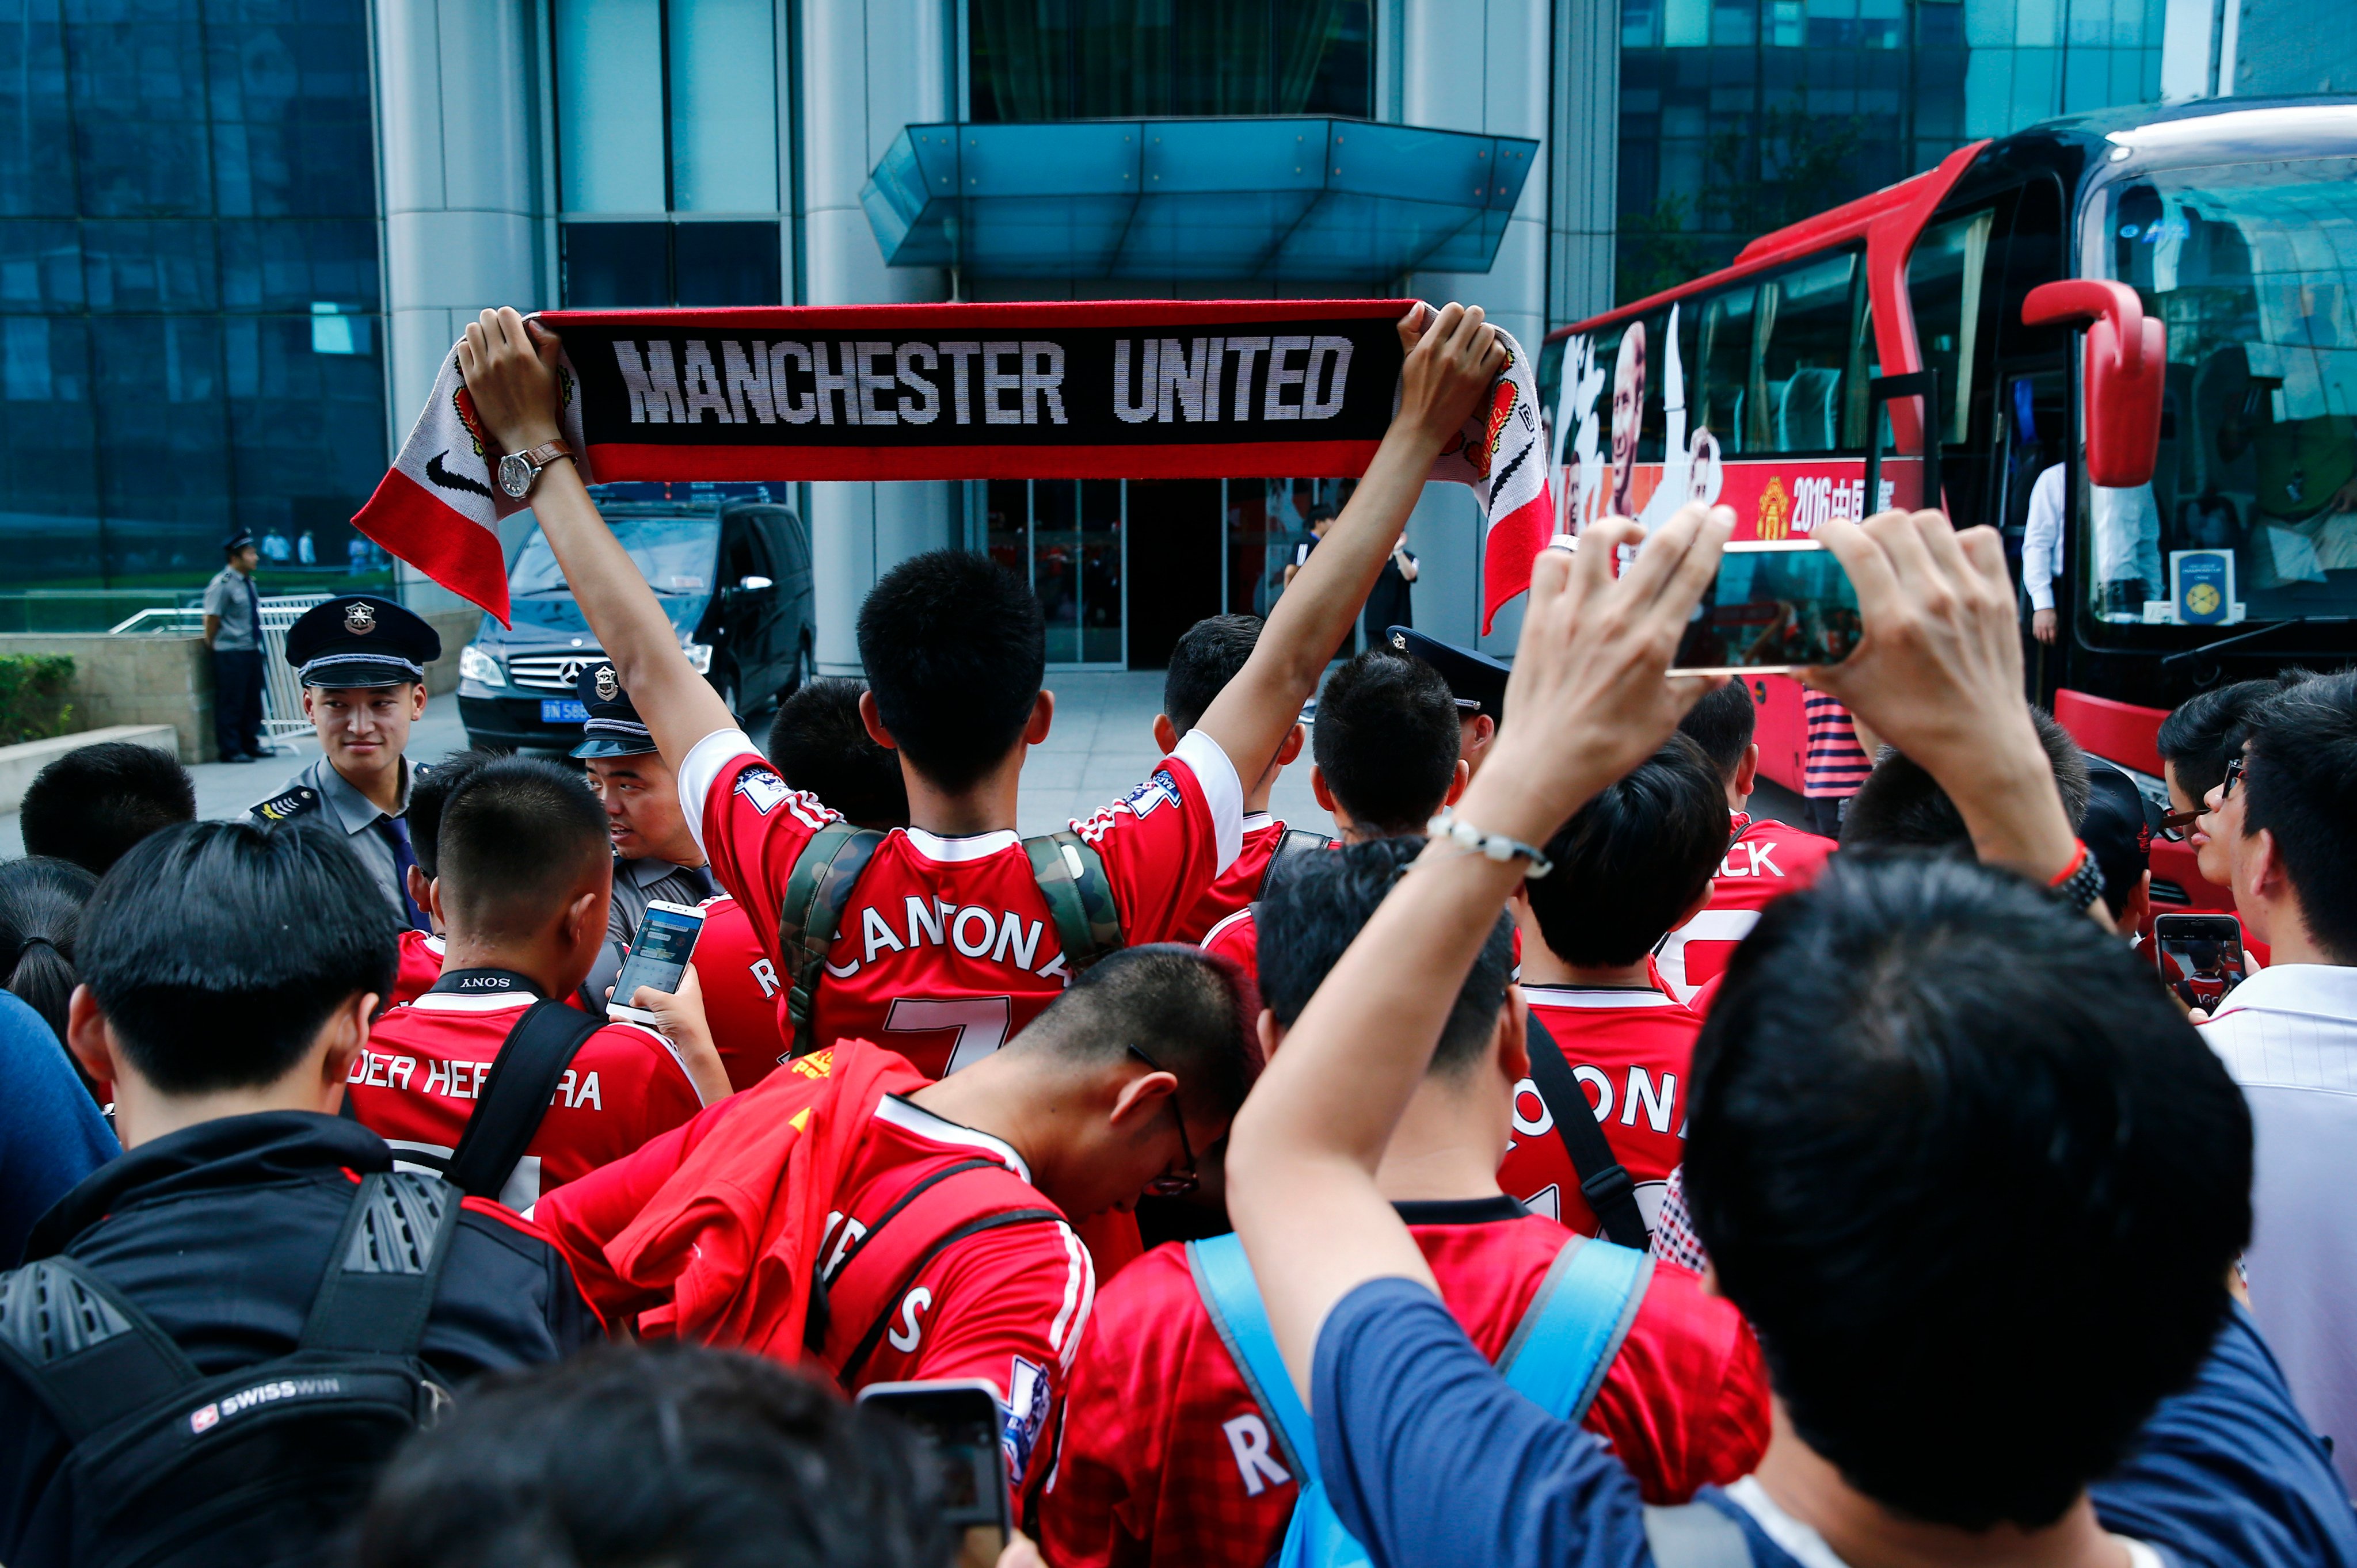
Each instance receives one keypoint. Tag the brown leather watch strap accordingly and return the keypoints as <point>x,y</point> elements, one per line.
<point>547,452</point>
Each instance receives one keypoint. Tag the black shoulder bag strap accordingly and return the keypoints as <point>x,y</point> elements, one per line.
<point>515,1095</point>
<point>1603,1180</point>
<point>1071,878</point>
<point>975,1226</point>
<point>83,1347</point>
<point>1295,841</point>
<point>385,1266</point>
<point>814,1322</point>
<point>811,913</point>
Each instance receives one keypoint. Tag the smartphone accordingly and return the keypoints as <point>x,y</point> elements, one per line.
<point>659,954</point>
<point>962,1425</point>
<point>2200,957</point>
<point>1776,605</point>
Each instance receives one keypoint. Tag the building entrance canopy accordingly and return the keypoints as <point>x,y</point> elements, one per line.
<point>1204,200</point>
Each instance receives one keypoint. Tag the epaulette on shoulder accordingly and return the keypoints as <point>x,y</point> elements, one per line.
<point>300,800</point>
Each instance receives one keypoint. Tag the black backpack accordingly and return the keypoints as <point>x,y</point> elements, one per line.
<point>264,1466</point>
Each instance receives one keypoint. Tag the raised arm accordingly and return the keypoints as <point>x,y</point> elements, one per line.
<point>1451,364</point>
<point>1587,700</point>
<point>510,369</point>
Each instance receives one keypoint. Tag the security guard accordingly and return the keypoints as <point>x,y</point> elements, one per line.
<point>654,854</point>
<point>1477,681</point>
<point>362,663</point>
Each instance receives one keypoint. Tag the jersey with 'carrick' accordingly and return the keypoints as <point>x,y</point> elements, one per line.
<point>1239,884</point>
<point>1629,1049</point>
<point>418,964</point>
<point>946,947</point>
<point>416,1081</point>
<point>1166,1459</point>
<point>740,994</point>
<point>1765,860</point>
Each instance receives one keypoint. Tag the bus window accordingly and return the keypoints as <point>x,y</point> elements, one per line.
<point>1944,287</point>
<point>1800,352</point>
<point>1716,334</point>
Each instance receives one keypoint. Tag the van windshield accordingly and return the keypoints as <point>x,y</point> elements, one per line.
<point>675,555</point>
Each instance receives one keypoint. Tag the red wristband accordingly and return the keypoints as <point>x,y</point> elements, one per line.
<point>2071,870</point>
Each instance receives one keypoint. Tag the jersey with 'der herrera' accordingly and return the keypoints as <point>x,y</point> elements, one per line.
<point>946,947</point>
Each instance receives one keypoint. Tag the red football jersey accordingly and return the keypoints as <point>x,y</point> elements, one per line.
<point>1629,1049</point>
<point>946,947</point>
<point>1164,1457</point>
<point>1766,860</point>
<point>740,994</point>
<point>416,1081</point>
<point>418,964</point>
<point>1239,884</point>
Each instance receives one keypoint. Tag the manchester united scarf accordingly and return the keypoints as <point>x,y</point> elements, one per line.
<point>1116,390</point>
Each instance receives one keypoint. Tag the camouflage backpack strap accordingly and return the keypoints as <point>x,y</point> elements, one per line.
<point>812,911</point>
<point>1071,878</point>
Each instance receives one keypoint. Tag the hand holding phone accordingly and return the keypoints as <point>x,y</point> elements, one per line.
<point>1775,605</point>
<point>659,954</point>
<point>962,1425</point>
<point>2200,957</point>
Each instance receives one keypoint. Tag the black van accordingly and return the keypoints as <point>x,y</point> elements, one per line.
<point>734,574</point>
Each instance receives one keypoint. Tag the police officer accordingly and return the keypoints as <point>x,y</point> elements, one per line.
<point>1477,681</point>
<point>654,854</point>
<point>362,663</point>
<point>233,632</point>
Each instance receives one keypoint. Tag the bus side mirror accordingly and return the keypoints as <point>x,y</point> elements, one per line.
<point>2127,363</point>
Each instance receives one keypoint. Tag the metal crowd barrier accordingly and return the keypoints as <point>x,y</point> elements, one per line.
<point>282,694</point>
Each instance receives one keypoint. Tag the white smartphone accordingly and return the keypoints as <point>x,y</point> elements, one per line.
<point>1775,605</point>
<point>659,953</point>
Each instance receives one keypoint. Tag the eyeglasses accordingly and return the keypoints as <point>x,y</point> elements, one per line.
<point>2234,777</point>
<point>1174,1184</point>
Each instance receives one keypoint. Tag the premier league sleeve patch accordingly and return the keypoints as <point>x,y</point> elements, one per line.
<point>763,789</point>
<point>1027,1414</point>
<point>1157,791</point>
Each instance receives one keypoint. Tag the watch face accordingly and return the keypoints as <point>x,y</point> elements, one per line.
<point>515,475</point>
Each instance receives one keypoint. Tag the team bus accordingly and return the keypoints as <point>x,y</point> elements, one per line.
<point>1955,331</point>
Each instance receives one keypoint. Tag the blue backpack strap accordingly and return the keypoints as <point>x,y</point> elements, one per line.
<point>1223,1277</point>
<point>1573,1325</point>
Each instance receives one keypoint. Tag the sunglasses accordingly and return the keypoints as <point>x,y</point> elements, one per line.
<point>1176,1184</point>
<point>2173,825</point>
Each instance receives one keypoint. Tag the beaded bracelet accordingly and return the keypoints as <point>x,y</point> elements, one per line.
<point>1445,824</point>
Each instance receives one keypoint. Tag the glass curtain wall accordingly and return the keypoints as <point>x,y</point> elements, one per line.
<point>190,324</point>
<point>1094,59</point>
<point>668,162</point>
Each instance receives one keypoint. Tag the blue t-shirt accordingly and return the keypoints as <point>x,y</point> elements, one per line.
<point>51,1136</point>
<point>1430,1458</point>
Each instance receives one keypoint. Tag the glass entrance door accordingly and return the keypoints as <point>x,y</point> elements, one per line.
<point>1065,538</point>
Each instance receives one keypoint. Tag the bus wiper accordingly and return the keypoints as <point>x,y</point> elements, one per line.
<point>2257,631</point>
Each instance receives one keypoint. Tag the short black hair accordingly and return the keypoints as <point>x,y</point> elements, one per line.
<point>41,902</point>
<point>1313,909</point>
<point>2115,833</point>
<point>955,648</point>
<point>663,1452</point>
<point>1387,740</point>
<point>1634,859</point>
<point>819,743</point>
<point>2302,783</point>
<point>1205,659</point>
<point>217,951</point>
<point>1187,1008</point>
<point>96,801</point>
<point>1978,1242</point>
<point>430,789</point>
<point>1901,806</point>
<point>2207,729</point>
<point>1722,725</point>
<point>515,837</point>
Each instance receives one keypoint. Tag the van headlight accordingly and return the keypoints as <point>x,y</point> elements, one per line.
<point>479,667</point>
<point>699,655</point>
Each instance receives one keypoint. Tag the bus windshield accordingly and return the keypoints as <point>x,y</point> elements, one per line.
<point>2252,511</point>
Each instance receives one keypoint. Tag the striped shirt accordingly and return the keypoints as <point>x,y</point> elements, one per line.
<point>1836,764</point>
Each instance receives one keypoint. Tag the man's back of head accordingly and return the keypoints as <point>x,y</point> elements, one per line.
<point>1313,909</point>
<point>1184,1007</point>
<point>1206,658</point>
<point>954,649</point>
<point>1634,862</point>
<point>1386,741</point>
<point>1901,807</point>
<point>681,1455</point>
<point>1973,1179</point>
<point>1722,725</point>
<point>93,804</point>
<point>517,840</point>
<point>217,951</point>
<point>819,743</point>
<point>429,791</point>
<point>2302,783</point>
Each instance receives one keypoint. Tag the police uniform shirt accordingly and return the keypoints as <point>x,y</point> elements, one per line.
<point>322,794</point>
<point>232,598</point>
<point>637,884</point>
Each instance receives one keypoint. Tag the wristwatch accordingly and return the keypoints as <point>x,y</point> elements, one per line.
<point>520,471</point>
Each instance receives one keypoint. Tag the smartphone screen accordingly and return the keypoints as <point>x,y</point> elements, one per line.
<point>1775,604</point>
<point>962,1424</point>
<point>660,952</point>
<point>2200,957</point>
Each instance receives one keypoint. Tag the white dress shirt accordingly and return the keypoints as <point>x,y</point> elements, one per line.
<point>2288,1035</point>
<point>2126,538</point>
<point>2041,538</point>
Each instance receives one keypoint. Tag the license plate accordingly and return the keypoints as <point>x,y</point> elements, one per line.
<point>561,711</point>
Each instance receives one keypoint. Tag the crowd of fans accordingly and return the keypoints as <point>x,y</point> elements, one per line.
<point>1544,1161</point>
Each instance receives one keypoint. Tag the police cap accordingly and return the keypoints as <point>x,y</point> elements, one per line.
<point>241,540</point>
<point>614,728</point>
<point>359,639</point>
<point>1477,681</point>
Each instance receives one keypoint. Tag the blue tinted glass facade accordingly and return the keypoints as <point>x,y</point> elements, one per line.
<point>190,336</point>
